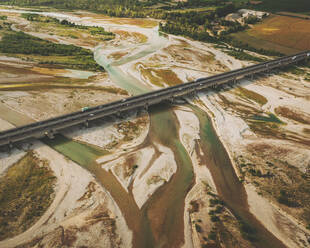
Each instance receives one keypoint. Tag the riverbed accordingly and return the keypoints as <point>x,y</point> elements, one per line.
<point>160,220</point>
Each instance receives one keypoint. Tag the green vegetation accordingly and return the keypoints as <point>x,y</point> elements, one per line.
<point>46,19</point>
<point>270,118</point>
<point>252,95</point>
<point>19,42</point>
<point>212,235</point>
<point>246,46</point>
<point>38,18</point>
<point>3,18</point>
<point>285,5</point>
<point>198,228</point>
<point>247,231</point>
<point>214,202</point>
<point>198,19</point>
<point>219,208</point>
<point>241,55</point>
<point>71,56</point>
<point>295,194</point>
<point>26,191</point>
<point>287,199</point>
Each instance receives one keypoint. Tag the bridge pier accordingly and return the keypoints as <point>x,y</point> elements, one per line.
<point>193,93</point>
<point>86,123</point>
<point>171,100</point>
<point>50,134</point>
<point>119,114</point>
<point>146,107</point>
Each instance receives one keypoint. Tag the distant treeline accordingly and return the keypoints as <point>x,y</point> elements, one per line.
<point>199,25</point>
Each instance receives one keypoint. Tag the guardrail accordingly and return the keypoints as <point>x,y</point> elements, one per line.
<point>53,125</point>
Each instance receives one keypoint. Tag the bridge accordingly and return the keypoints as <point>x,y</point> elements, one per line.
<point>52,126</point>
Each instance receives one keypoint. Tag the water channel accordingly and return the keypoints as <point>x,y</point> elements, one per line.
<point>159,223</point>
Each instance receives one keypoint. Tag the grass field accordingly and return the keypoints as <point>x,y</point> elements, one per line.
<point>26,192</point>
<point>279,33</point>
<point>298,6</point>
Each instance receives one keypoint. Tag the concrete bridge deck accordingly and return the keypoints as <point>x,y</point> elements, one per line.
<point>54,125</point>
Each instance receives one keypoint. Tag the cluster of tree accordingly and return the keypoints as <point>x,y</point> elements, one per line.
<point>19,42</point>
<point>93,30</point>
<point>251,20</point>
<point>241,55</point>
<point>200,3</point>
<point>287,199</point>
<point>225,10</point>
<point>46,19</point>
<point>187,30</point>
<point>233,27</point>
<point>38,18</point>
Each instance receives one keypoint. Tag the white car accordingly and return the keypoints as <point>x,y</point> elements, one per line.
<point>294,58</point>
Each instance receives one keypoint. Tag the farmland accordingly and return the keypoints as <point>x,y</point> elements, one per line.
<point>280,33</point>
<point>297,6</point>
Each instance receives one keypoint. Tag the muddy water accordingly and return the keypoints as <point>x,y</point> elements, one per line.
<point>165,209</point>
<point>229,187</point>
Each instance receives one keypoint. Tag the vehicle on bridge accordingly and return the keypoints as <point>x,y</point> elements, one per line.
<point>84,109</point>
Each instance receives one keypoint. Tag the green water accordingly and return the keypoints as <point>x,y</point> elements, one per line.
<point>80,153</point>
<point>270,118</point>
<point>125,81</point>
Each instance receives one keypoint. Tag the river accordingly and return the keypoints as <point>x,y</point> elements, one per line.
<point>160,222</point>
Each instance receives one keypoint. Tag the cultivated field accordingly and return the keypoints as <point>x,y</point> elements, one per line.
<point>280,33</point>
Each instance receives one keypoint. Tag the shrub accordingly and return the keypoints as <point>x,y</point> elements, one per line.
<point>212,235</point>
<point>198,228</point>
<point>215,218</point>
